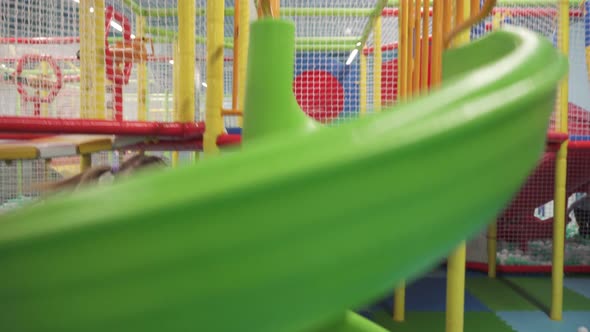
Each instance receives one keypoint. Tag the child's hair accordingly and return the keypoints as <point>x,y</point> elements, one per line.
<point>93,174</point>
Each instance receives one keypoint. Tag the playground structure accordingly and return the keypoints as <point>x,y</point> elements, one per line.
<point>55,81</point>
<point>525,230</point>
<point>144,107</point>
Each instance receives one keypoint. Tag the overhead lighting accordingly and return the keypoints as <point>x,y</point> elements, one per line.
<point>132,36</point>
<point>116,26</point>
<point>352,56</point>
<point>91,9</point>
<point>204,84</point>
<point>171,62</point>
<point>358,44</point>
<point>76,1</point>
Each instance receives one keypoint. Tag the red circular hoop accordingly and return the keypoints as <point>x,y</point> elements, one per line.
<point>114,74</point>
<point>53,90</point>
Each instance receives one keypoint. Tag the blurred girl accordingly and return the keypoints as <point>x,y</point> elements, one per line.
<point>105,173</point>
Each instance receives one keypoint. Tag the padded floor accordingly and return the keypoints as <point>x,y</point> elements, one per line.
<point>510,304</point>
<point>435,321</point>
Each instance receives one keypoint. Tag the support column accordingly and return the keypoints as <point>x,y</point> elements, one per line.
<point>458,259</point>
<point>560,198</point>
<point>142,78</point>
<point>92,58</point>
<point>215,50</point>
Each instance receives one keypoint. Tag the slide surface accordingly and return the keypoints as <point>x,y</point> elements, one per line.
<point>301,225</point>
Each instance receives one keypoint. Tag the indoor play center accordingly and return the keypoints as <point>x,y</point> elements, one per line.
<point>366,165</point>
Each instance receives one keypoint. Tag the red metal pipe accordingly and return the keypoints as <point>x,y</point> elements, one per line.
<point>394,12</point>
<point>14,124</point>
<point>185,145</point>
<point>57,58</point>
<point>483,267</point>
<point>557,138</point>
<point>152,58</point>
<point>167,58</point>
<point>578,145</point>
<point>229,139</point>
<point>193,144</point>
<point>534,12</point>
<point>40,40</point>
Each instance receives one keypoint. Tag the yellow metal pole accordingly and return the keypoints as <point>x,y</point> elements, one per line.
<point>496,21</point>
<point>492,249</point>
<point>457,260</point>
<point>399,303</point>
<point>175,81</point>
<point>464,25</point>
<point>417,48</point>
<point>410,48</point>
<point>456,289</point>
<point>447,16</point>
<point>141,74</point>
<point>175,159</point>
<point>559,233</point>
<point>186,60</point>
<point>403,89</point>
<point>92,66</point>
<point>213,118</point>
<point>437,41</point>
<point>560,198</point>
<point>98,67</point>
<point>270,8</point>
<point>474,7</point>
<point>276,8</point>
<point>459,12</point>
<point>184,86</point>
<point>363,85</point>
<point>175,92</point>
<point>85,162</point>
<point>425,45</point>
<point>377,65</point>
<point>493,227</point>
<point>407,64</point>
<point>236,62</point>
<point>463,12</point>
<point>92,73</point>
<point>236,58</point>
<point>243,39</point>
<point>85,64</point>
<point>403,51</point>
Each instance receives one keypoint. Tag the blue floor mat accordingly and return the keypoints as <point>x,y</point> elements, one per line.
<point>578,285</point>
<point>429,294</point>
<point>538,321</point>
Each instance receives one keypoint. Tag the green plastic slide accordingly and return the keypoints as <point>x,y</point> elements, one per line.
<point>303,224</point>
